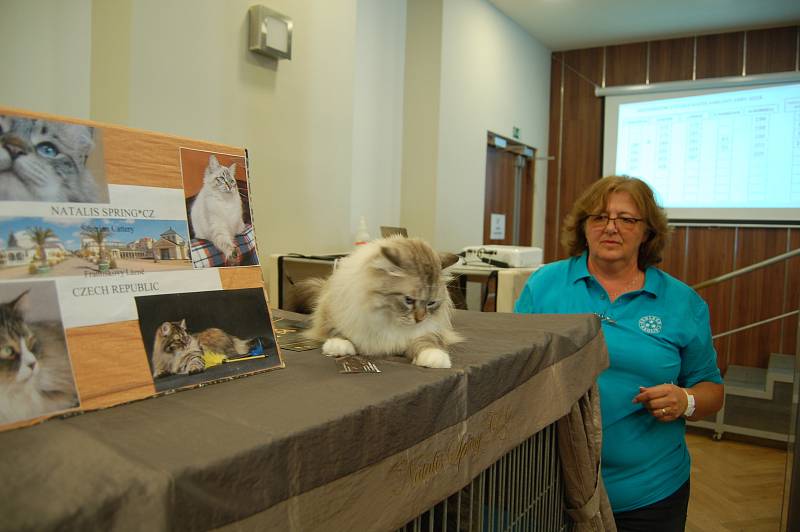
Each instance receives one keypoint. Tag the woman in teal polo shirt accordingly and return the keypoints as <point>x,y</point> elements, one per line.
<point>663,364</point>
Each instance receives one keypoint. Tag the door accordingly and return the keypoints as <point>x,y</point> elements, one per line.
<point>508,201</point>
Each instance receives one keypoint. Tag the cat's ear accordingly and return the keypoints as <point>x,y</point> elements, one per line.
<point>183,324</point>
<point>392,255</point>
<point>212,162</point>
<point>232,170</point>
<point>390,261</point>
<point>22,302</point>
<point>165,328</point>
<point>448,259</point>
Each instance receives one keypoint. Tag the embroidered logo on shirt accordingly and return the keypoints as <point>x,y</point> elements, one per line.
<point>650,324</point>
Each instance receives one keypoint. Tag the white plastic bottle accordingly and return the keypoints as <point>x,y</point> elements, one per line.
<point>362,234</point>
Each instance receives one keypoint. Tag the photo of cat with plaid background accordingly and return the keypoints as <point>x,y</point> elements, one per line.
<point>218,208</point>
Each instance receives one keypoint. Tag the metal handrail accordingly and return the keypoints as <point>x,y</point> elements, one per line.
<point>742,271</point>
<point>755,324</point>
<point>747,269</point>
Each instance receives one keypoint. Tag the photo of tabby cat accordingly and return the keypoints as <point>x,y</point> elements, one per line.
<point>35,373</point>
<point>45,160</point>
<point>194,338</point>
<point>389,297</point>
<point>177,351</point>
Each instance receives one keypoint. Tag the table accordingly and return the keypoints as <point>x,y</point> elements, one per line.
<point>306,448</point>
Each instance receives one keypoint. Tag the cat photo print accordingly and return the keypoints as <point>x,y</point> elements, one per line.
<point>218,208</point>
<point>198,337</point>
<point>35,372</point>
<point>47,160</point>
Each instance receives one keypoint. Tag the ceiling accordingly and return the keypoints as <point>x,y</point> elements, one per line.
<point>572,24</point>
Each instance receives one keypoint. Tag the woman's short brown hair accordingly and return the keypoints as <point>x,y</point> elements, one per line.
<point>595,199</point>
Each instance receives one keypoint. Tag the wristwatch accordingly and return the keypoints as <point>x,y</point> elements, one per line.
<point>690,404</point>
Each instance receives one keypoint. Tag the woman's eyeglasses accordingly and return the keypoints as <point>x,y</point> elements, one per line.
<point>624,223</point>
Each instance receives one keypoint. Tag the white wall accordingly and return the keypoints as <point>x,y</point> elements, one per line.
<point>494,76</point>
<point>46,56</point>
<point>378,114</point>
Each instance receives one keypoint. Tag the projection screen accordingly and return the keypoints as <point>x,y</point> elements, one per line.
<point>714,155</point>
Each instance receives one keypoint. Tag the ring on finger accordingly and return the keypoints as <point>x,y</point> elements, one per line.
<point>663,411</point>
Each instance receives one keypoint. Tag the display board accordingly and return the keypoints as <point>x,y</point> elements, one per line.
<point>128,267</point>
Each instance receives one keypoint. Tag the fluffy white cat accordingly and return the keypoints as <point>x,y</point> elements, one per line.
<point>217,209</point>
<point>387,297</point>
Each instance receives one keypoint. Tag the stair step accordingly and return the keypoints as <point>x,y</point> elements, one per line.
<point>781,367</point>
<point>746,381</point>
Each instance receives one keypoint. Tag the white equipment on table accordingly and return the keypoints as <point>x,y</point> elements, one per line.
<point>503,256</point>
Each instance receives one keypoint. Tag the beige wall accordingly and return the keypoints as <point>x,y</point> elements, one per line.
<point>366,119</point>
<point>378,113</point>
<point>45,53</point>
<point>421,117</point>
<point>191,74</point>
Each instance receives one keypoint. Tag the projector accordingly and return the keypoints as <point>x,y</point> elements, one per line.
<point>503,256</point>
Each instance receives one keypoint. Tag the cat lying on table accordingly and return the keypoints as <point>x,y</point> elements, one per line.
<point>388,297</point>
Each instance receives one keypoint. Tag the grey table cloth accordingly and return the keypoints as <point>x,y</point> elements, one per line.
<point>308,448</point>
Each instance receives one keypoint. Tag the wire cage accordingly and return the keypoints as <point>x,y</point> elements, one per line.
<point>521,491</point>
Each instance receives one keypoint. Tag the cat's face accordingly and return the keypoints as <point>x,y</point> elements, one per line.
<point>17,361</point>
<point>220,178</point>
<point>45,161</point>
<point>173,335</point>
<point>413,287</point>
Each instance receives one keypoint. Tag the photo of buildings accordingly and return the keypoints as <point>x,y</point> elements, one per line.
<point>63,247</point>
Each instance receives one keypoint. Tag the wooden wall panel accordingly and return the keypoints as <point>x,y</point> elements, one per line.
<point>671,60</point>
<point>705,252</point>
<point>588,63</point>
<point>710,252</point>
<point>773,50</point>
<point>674,254</point>
<point>580,133</point>
<point>792,302</point>
<point>720,55</point>
<point>552,214</point>
<point>757,296</point>
<point>526,203</point>
<point>626,64</point>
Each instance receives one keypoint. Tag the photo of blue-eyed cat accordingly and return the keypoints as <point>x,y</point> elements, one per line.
<point>35,374</point>
<point>389,297</point>
<point>45,160</point>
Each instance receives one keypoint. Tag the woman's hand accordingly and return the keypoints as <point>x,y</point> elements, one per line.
<point>665,402</point>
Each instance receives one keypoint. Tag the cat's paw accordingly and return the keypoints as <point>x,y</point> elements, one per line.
<point>227,249</point>
<point>432,357</point>
<point>196,366</point>
<point>338,347</point>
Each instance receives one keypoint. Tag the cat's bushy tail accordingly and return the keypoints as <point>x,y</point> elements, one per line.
<point>243,347</point>
<point>306,294</point>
